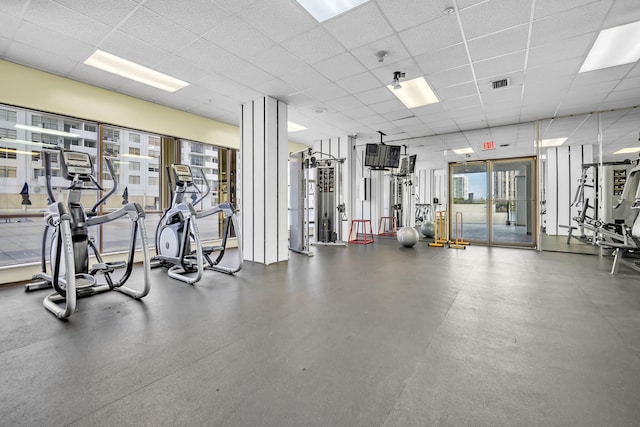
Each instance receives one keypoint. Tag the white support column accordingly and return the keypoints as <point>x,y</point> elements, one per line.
<point>263,171</point>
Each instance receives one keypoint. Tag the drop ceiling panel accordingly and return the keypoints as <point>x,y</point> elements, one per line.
<point>461,104</point>
<point>359,26</point>
<point>314,46</point>
<point>327,92</point>
<point>501,66</point>
<point>238,37</point>
<point>131,49</point>
<point>359,83</point>
<point>457,91</point>
<point>234,6</point>
<point>431,36</point>
<point>277,61</point>
<point>144,25</point>
<point>340,66</point>
<point>606,75</point>
<point>198,16</point>
<point>8,26</point>
<point>451,77</point>
<point>622,12</point>
<point>375,95</point>
<point>360,113</point>
<point>345,103</point>
<point>304,78</point>
<point>177,67</point>
<point>497,44</point>
<point>550,53</point>
<point>387,106</point>
<point>40,59</point>
<point>569,24</point>
<point>412,12</point>
<point>86,74</point>
<point>49,15</point>
<point>367,54</point>
<point>277,19</point>
<point>489,17</point>
<point>112,15</point>
<point>31,34</point>
<point>444,59</point>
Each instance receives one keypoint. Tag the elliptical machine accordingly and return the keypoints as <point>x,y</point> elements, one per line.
<point>178,243</point>
<point>69,223</point>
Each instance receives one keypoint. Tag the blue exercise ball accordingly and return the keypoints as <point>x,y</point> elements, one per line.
<point>427,229</point>
<point>408,236</point>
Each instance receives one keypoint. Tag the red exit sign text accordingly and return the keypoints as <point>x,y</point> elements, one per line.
<point>488,145</point>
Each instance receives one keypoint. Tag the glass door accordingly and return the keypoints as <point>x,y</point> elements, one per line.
<point>469,201</point>
<point>493,202</point>
<point>513,189</point>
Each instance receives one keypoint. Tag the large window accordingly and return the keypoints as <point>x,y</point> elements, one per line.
<point>138,172</point>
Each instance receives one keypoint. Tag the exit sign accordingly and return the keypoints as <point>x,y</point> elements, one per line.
<point>488,145</point>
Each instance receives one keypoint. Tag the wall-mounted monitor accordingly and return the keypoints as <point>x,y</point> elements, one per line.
<point>380,156</point>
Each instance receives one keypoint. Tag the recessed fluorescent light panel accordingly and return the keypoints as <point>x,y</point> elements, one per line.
<point>293,127</point>
<point>552,142</point>
<point>629,150</point>
<point>414,93</point>
<point>37,129</point>
<point>130,70</point>
<point>468,150</point>
<point>614,46</point>
<point>327,9</point>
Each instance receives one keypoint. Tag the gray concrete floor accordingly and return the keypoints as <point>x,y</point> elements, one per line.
<point>369,335</point>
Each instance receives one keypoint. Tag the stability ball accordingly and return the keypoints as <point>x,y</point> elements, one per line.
<point>408,236</point>
<point>427,229</point>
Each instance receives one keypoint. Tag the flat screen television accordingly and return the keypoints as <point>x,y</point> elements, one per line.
<point>380,156</point>
<point>408,165</point>
<point>371,153</point>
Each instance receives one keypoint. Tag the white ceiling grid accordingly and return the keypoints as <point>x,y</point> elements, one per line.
<point>232,51</point>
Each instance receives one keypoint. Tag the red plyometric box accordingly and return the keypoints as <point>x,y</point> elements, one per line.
<point>488,145</point>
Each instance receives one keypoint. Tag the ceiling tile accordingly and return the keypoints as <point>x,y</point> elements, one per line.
<point>132,49</point>
<point>238,37</point>
<point>563,49</point>
<point>493,16</point>
<point>177,67</point>
<point>359,26</point>
<point>327,92</point>
<point>373,96</point>
<point>367,54</point>
<point>497,44</point>
<point>608,74</point>
<point>31,34</point>
<point>40,59</point>
<point>359,83</point>
<point>360,112</point>
<point>234,6</point>
<point>277,61</point>
<point>387,106</point>
<point>500,66</point>
<point>457,91</point>
<point>144,25</point>
<point>462,103</point>
<point>345,103</point>
<point>444,59</point>
<point>622,12</point>
<point>340,66</point>
<point>50,15</point>
<point>278,19</point>
<point>546,8</point>
<point>313,46</point>
<point>275,88</point>
<point>451,77</point>
<point>574,22</point>
<point>412,12</point>
<point>112,15</point>
<point>304,78</point>
<point>198,17</point>
<point>431,36</point>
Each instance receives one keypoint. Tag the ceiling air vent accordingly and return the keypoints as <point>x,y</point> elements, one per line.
<point>497,84</point>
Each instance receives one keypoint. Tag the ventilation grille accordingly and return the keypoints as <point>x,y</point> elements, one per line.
<point>497,84</point>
